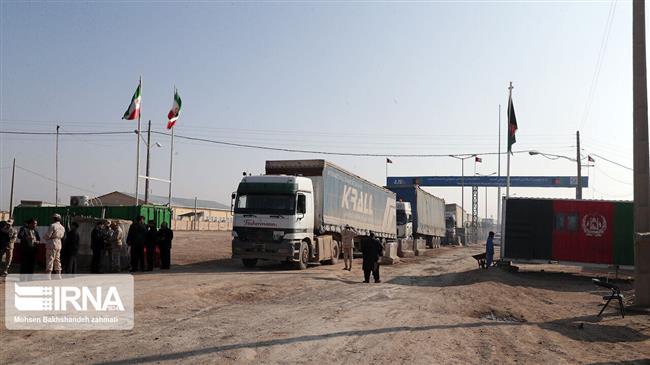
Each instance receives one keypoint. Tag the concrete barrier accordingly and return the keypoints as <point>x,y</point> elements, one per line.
<point>405,247</point>
<point>390,253</point>
<point>419,246</point>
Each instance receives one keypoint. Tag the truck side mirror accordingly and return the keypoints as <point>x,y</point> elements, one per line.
<point>232,203</point>
<point>302,205</point>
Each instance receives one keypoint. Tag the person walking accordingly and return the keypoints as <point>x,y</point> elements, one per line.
<point>53,236</point>
<point>9,250</point>
<point>165,236</point>
<point>347,236</point>
<point>135,239</point>
<point>151,241</point>
<point>371,249</point>
<point>29,238</point>
<point>489,249</point>
<point>71,248</point>
<point>97,246</point>
<point>115,246</point>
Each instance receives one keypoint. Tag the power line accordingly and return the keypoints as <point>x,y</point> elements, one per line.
<point>53,180</point>
<point>67,133</point>
<point>614,162</point>
<point>292,150</point>
<point>599,63</point>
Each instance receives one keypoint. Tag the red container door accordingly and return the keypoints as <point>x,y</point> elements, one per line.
<point>583,231</point>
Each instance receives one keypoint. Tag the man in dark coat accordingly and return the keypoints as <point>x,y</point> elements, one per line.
<point>28,237</point>
<point>136,239</point>
<point>165,236</point>
<point>371,249</point>
<point>152,240</point>
<point>97,243</point>
<point>71,248</point>
<point>489,249</point>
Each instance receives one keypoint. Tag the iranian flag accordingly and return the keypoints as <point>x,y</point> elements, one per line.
<point>133,112</point>
<point>172,116</point>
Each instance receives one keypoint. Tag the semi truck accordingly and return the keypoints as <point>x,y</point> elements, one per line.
<point>427,213</point>
<point>296,212</point>
<point>404,218</point>
<point>454,224</point>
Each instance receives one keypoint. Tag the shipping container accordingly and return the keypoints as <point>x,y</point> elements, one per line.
<point>590,232</point>
<point>44,214</point>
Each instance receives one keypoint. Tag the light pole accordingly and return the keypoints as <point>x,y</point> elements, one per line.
<point>462,159</point>
<point>552,156</point>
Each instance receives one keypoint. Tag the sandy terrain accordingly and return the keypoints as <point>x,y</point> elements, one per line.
<point>437,309</point>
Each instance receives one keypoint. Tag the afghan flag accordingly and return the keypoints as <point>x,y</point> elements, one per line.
<point>512,124</point>
<point>172,116</point>
<point>133,112</point>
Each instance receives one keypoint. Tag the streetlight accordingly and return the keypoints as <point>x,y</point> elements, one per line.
<point>552,156</point>
<point>462,159</point>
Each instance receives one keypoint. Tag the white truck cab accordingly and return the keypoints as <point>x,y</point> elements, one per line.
<point>272,216</point>
<point>404,219</point>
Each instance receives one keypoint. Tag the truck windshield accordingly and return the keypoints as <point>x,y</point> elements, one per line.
<point>266,204</point>
<point>401,217</point>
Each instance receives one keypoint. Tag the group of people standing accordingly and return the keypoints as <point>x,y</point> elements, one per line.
<point>62,246</point>
<point>371,251</point>
<point>142,240</point>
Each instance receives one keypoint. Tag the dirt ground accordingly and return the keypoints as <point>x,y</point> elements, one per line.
<point>434,309</point>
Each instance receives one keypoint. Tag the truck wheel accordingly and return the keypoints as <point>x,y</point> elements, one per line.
<point>249,262</point>
<point>336,251</point>
<point>304,257</point>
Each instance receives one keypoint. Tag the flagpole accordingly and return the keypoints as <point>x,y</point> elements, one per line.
<point>137,153</point>
<point>509,147</point>
<point>499,173</point>
<point>171,164</point>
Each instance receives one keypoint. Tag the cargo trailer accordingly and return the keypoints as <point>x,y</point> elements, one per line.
<point>427,210</point>
<point>296,212</point>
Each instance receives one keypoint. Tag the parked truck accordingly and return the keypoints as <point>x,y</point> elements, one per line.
<point>296,212</point>
<point>454,224</point>
<point>428,213</point>
<point>404,215</point>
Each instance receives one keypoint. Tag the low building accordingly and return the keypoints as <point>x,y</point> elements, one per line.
<point>187,214</point>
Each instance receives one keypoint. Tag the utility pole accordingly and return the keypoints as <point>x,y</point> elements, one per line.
<point>11,194</point>
<point>578,162</point>
<point>56,168</point>
<point>499,173</point>
<point>641,163</point>
<point>196,225</point>
<point>146,180</point>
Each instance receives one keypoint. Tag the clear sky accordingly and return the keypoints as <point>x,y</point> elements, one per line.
<point>375,77</point>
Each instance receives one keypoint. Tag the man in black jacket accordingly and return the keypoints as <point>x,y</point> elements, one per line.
<point>97,243</point>
<point>152,239</point>
<point>136,239</point>
<point>29,238</point>
<point>371,249</point>
<point>71,248</point>
<point>165,236</point>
